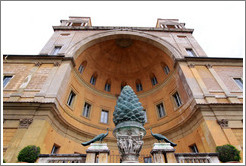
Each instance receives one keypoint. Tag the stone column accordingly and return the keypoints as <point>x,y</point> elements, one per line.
<point>95,149</point>
<point>163,153</point>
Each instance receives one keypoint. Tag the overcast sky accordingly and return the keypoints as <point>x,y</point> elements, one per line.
<point>219,27</point>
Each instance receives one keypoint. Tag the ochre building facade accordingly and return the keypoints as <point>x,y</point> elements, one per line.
<point>66,95</point>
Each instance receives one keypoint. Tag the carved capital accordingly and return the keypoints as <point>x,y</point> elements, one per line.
<point>129,147</point>
<point>57,63</point>
<point>209,66</point>
<point>38,63</point>
<point>191,65</point>
<point>223,123</point>
<point>24,123</point>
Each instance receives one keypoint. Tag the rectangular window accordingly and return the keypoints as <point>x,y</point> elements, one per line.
<point>104,116</point>
<point>166,70</point>
<point>239,82</point>
<point>193,148</point>
<point>71,98</point>
<point>56,50</point>
<point>147,160</point>
<point>86,111</point>
<point>55,149</point>
<point>177,99</point>
<point>161,110</point>
<point>6,80</point>
<point>145,116</point>
<point>190,52</point>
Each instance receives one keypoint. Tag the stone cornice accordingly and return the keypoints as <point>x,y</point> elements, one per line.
<point>37,59</point>
<point>67,28</point>
<point>209,59</point>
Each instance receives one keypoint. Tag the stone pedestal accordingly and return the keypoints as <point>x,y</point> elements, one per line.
<point>163,153</point>
<point>129,141</point>
<point>97,149</point>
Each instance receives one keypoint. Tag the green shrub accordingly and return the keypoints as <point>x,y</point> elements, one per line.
<point>29,154</point>
<point>4,161</point>
<point>228,153</point>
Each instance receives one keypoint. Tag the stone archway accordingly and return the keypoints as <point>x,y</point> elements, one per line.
<point>160,43</point>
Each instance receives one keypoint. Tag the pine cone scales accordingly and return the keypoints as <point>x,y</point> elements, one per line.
<point>128,107</point>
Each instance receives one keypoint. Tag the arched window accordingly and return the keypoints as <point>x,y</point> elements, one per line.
<point>165,68</point>
<point>82,67</point>
<point>107,85</point>
<point>139,85</point>
<point>153,79</point>
<point>93,79</point>
<point>122,85</point>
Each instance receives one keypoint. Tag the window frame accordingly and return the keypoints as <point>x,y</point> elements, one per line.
<point>166,69</point>
<point>73,99</point>
<point>90,108</point>
<point>139,87</point>
<point>54,51</point>
<point>81,68</point>
<point>93,79</point>
<point>154,78</point>
<point>57,149</point>
<point>12,76</point>
<point>175,101</point>
<point>237,83</point>
<point>107,87</point>
<point>195,149</point>
<point>190,52</point>
<point>158,112</point>
<point>104,110</point>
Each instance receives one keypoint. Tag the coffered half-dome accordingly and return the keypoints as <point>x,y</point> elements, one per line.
<point>124,59</point>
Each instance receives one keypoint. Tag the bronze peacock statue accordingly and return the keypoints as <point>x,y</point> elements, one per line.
<point>160,137</point>
<point>99,137</point>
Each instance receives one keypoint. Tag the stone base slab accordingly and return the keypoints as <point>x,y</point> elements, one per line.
<point>164,147</point>
<point>98,148</point>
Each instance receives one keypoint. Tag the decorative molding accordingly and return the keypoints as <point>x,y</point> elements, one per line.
<point>191,65</point>
<point>209,66</point>
<point>24,123</point>
<point>57,63</point>
<point>38,63</point>
<point>223,123</point>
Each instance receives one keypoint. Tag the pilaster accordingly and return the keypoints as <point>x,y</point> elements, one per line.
<point>209,97</point>
<point>231,98</point>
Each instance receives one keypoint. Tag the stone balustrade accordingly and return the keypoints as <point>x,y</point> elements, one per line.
<point>197,157</point>
<point>81,158</point>
<point>62,158</point>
